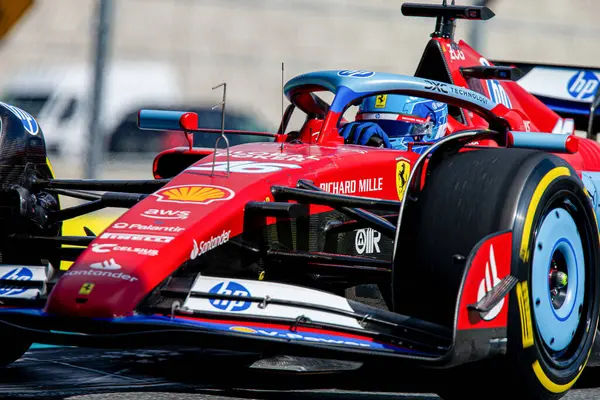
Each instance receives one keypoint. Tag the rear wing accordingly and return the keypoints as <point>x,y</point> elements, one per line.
<point>570,91</point>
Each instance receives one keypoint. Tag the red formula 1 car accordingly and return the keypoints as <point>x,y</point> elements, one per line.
<point>480,254</point>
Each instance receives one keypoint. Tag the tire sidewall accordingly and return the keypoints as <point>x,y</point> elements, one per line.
<point>530,362</point>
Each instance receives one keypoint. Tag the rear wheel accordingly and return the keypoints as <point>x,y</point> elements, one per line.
<point>553,312</point>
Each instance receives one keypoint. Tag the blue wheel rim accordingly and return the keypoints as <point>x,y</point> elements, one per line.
<point>558,238</point>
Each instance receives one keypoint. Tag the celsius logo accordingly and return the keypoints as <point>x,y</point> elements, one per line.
<point>583,85</point>
<point>497,92</point>
<point>367,241</point>
<point>487,283</point>
<point>356,73</point>
<point>17,274</point>
<point>231,289</point>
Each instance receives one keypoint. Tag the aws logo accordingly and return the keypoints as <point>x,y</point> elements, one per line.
<point>194,194</point>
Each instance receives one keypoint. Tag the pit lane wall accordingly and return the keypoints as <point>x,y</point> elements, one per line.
<point>244,42</point>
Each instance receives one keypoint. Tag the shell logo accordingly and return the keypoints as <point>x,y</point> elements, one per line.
<point>194,194</point>
<point>242,329</point>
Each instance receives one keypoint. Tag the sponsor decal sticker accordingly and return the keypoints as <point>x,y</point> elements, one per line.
<point>367,240</point>
<point>106,265</point>
<point>490,280</point>
<point>208,245</point>
<point>17,274</point>
<point>497,92</point>
<point>142,227</point>
<point>137,237</point>
<point>436,86</point>
<point>381,101</point>
<point>29,123</point>
<point>86,288</point>
<point>356,73</point>
<point>194,194</point>
<point>490,264</point>
<point>265,155</point>
<point>522,291</point>
<point>304,336</point>
<point>230,288</point>
<point>456,54</point>
<point>564,126</point>
<point>242,329</point>
<point>108,247</point>
<point>101,273</point>
<point>353,186</point>
<point>583,85</point>
<point>402,175</point>
<point>156,213</point>
<point>244,167</point>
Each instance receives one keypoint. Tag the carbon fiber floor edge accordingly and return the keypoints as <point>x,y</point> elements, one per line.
<point>89,374</point>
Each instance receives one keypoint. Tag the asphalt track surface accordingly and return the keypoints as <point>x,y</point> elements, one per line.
<point>89,374</point>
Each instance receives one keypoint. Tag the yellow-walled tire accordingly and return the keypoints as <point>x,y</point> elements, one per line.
<point>553,311</point>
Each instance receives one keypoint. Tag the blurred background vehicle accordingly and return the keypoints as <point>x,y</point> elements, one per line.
<point>59,98</point>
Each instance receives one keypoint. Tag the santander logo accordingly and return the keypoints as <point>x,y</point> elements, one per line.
<point>490,280</point>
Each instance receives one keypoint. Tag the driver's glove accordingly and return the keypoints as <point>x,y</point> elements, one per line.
<point>360,132</point>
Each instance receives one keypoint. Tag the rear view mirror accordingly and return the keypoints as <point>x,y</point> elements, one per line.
<point>162,120</point>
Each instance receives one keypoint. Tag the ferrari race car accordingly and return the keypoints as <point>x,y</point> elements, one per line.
<point>478,255</point>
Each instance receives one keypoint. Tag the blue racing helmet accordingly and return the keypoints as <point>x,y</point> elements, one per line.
<point>405,118</point>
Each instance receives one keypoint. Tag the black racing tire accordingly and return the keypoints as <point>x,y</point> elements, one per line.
<point>15,345</point>
<point>471,195</point>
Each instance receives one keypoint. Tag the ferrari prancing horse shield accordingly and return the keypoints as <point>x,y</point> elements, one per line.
<point>402,174</point>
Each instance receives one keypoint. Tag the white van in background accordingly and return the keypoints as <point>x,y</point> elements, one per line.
<point>59,97</point>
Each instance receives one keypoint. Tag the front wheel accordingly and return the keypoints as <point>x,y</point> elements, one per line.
<point>555,317</point>
<point>553,311</point>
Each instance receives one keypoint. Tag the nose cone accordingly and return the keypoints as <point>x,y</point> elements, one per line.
<point>104,289</point>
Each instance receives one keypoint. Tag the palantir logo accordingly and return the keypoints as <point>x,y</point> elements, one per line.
<point>230,289</point>
<point>17,274</point>
<point>583,85</point>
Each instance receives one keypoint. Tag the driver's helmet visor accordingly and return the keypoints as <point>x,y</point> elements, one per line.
<point>396,125</point>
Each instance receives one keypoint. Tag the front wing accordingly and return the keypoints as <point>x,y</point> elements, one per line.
<point>269,317</point>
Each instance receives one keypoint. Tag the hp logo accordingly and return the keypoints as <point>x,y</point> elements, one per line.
<point>356,73</point>
<point>497,92</point>
<point>17,274</point>
<point>230,289</point>
<point>583,85</point>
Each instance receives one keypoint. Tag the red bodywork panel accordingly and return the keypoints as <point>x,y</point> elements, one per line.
<point>151,240</point>
<point>489,265</point>
<point>156,236</point>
